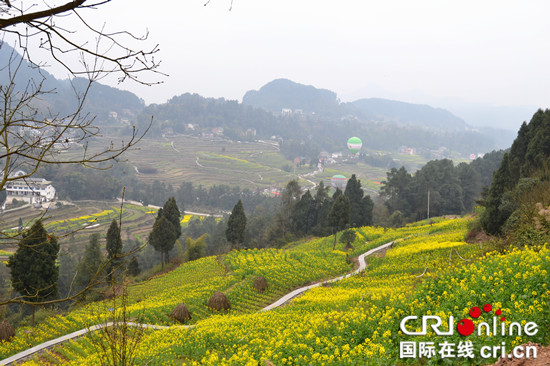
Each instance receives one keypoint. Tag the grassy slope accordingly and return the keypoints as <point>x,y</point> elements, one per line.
<point>355,321</point>
<point>233,274</point>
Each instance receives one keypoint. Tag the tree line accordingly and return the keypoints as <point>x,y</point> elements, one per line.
<point>518,198</point>
<point>449,189</point>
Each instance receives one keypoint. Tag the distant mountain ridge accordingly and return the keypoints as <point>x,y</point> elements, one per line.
<point>281,94</point>
<point>315,118</point>
<point>421,115</point>
<point>100,101</point>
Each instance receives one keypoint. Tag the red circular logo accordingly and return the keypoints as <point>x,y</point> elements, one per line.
<point>465,327</point>
<point>475,312</point>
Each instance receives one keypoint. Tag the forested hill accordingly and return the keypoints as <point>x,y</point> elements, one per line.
<point>59,95</point>
<point>193,114</point>
<point>282,94</point>
<point>522,183</point>
<point>314,119</point>
<point>302,134</point>
<point>410,114</point>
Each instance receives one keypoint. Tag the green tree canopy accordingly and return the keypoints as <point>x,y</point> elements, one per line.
<point>361,206</point>
<point>173,215</point>
<point>163,236</point>
<point>236,225</point>
<point>338,216</point>
<point>88,269</point>
<point>529,157</point>
<point>303,217</point>
<point>114,249</point>
<point>34,273</point>
<point>166,229</point>
<point>195,249</point>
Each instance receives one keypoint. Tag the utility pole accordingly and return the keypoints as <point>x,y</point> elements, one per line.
<point>428,204</point>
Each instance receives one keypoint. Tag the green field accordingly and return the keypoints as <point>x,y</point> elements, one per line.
<point>254,165</point>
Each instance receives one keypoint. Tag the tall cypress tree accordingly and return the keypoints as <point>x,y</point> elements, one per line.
<point>87,270</point>
<point>114,249</point>
<point>361,206</point>
<point>236,225</point>
<point>496,214</point>
<point>338,217</point>
<point>303,217</point>
<point>166,229</point>
<point>173,215</point>
<point>163,237</point>
<point>34,273</point>
<point>355,195</point>
<point>323,203</point>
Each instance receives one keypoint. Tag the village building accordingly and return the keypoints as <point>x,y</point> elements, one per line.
<point>31,190</point>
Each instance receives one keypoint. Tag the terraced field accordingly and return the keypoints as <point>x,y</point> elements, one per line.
<point>255,165</point>
<point>431,270</point>
<point>74,223</point>
<point>195,282</point>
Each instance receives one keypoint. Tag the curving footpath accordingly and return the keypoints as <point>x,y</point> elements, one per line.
<point>362,266</point>
<point>283,300</point>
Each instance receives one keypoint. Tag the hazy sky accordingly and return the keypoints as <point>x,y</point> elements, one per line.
<point>495,52</point>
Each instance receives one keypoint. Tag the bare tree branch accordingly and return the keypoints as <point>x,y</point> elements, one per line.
<point>32,16</point>
<point>32,134</point>
<point>117,55</point>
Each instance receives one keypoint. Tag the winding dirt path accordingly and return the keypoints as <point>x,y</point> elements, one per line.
<point>283,300</point>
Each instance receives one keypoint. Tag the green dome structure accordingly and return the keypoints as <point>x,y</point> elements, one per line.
<point>354,145</point>
<point>339,181</point>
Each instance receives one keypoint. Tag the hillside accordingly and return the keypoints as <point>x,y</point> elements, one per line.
<point>521,181</point>
<point>402,113</point>
<point>59,96</point>
<point>282,94</point>
<point>353,321</point>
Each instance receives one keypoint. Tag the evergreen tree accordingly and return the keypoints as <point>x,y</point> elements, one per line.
<point>323,204</point>
<point>114,249</point>
<point>289,198</point>
<point>348,237</point>
<point>338,217</point>
<point>173,215</point>
<point>163,236</point>
<point>529,156</point>
<point>133,267</point>
<point>396,190</point>
<point>67,270</point>
<point>496,213</point>
<point>88,270</point>
<point>34,273</point>
<point>236,225</point>
<point>368,207</point>
<point>303,217</point>
<point>360,207</point>
<point>166,229</point>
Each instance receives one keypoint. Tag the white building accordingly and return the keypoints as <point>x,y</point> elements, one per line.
<point>31,190</point>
